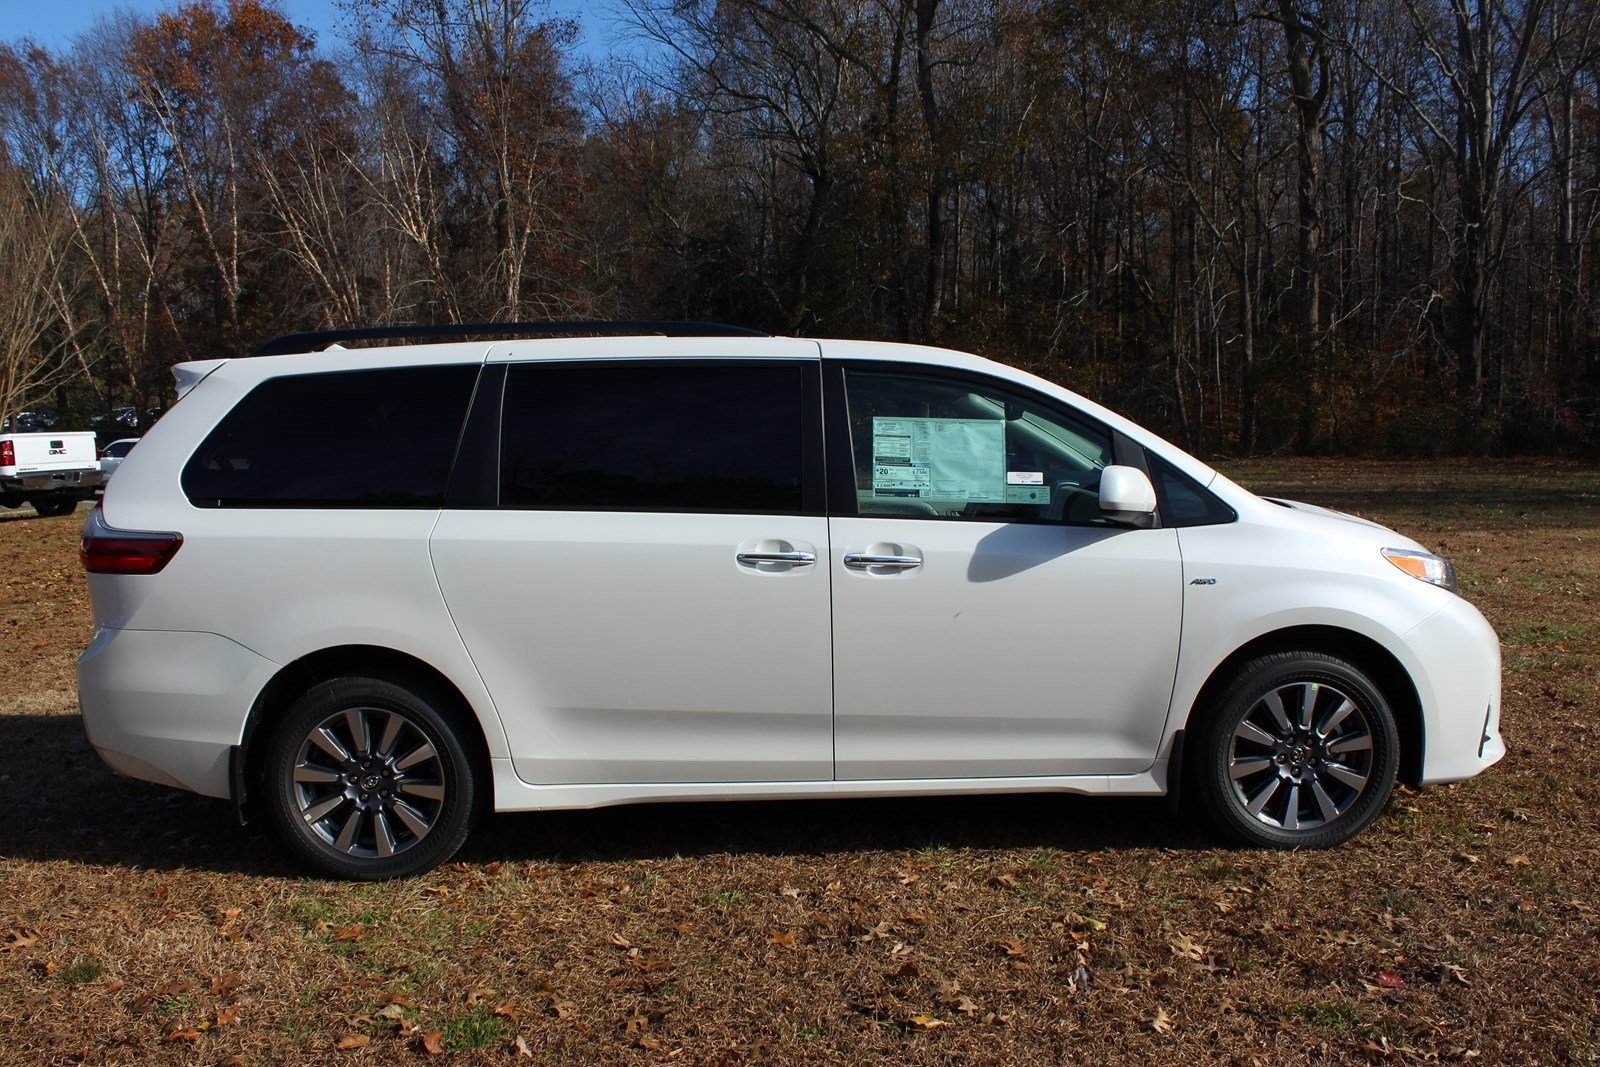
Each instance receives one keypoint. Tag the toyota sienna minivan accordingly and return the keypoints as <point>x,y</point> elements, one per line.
<point>372,593</point>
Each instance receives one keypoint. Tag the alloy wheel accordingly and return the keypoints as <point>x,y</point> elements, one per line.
<point>369,782</point>
<point>1301,756</point>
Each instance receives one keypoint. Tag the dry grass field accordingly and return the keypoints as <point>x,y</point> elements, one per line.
<point>140,926</point>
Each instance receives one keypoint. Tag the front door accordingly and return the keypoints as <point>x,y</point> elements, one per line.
<point>648,601</point>
<point>987,620</point>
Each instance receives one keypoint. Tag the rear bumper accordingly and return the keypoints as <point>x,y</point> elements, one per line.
<point>1457,673</point>
<point>166,706</point>
<point>51,481</point>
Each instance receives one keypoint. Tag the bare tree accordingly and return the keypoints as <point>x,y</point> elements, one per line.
<point>35,341</point>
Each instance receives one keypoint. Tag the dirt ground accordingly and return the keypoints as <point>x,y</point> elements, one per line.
<point>139,925</point>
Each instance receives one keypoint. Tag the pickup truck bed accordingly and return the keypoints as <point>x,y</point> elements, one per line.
<point>51,471</point>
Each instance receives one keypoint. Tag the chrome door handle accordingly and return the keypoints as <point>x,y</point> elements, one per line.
<point>799,559</point>
<point>851,559</point>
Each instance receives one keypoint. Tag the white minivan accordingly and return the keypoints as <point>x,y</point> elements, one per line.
<point>372,593</point>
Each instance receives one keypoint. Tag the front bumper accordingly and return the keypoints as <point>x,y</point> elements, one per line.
<point>1456,668</point>
<point>167,705</point>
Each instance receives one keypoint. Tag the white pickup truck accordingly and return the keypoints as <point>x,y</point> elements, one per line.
<point>51,471</point>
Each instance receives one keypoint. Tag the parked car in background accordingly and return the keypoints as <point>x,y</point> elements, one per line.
<point>112,455</point>
<point>373,593</point>
<point>52,471</point>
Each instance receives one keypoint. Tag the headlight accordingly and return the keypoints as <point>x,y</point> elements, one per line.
<point>1435,570</point>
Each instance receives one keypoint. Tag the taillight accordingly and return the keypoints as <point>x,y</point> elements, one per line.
<point>8,454</point>
<point>104,550</point>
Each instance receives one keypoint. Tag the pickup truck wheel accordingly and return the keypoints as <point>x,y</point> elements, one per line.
<point>1300,751</point>
<point>49,507</point>
<point>368,780</point>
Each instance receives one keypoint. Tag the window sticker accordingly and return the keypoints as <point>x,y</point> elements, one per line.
<point>1028,494</point>
<point>1024,477</point>
<point>939,459</point>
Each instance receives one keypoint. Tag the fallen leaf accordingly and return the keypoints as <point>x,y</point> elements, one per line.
<point>926,1022</point>
<point>17,940</point>
<point>1162,1023</point>
<point>784,939</point>
<point>392,1013</point>
<point>1187,947</point>
<point>351,1042</point>
<point>352,932</point>
<point>522,1048</point>
<point>432,1043</point>
<point>228,1015</point>
<point>1390,980</point>
<point>179,1032</point>
<point>1517,861</point>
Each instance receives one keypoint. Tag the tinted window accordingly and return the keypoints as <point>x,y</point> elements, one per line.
<point>659,438</point>
<point>1183,501</point>
<point>927,447</point>
<point>119,449</point>
<point>378,438</point>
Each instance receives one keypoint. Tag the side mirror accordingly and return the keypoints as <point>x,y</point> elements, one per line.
<point>1127,496</point>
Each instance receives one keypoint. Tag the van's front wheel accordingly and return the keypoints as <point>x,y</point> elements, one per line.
<point>368,780</point>
<point>1300,751</point>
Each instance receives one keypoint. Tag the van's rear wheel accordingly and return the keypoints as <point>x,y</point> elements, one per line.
<point>1300,751</point>
<point>366,779</point>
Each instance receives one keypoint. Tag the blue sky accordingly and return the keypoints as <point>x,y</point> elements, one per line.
<point>54,22</point>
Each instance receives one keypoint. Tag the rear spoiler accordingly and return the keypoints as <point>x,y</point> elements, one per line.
<point>192,373</point>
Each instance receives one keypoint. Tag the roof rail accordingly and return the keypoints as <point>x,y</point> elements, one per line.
<point>313,340</point>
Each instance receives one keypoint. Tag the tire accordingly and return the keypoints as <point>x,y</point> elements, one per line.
<point>50,507</point>
<point>413,794</point>
<point>1252,763</point>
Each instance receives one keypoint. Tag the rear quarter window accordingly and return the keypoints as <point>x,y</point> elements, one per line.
<point>361,439</point>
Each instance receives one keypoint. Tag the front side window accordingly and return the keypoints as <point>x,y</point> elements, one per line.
<point>1183,501</point>
<point>940,448</point>
<point>649,437</point>
<point>360,439</point>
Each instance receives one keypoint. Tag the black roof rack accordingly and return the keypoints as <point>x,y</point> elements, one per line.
<point>314,340</point>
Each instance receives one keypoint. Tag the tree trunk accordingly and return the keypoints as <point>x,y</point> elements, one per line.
<point>938,180</point>
<point>1307,52</point>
